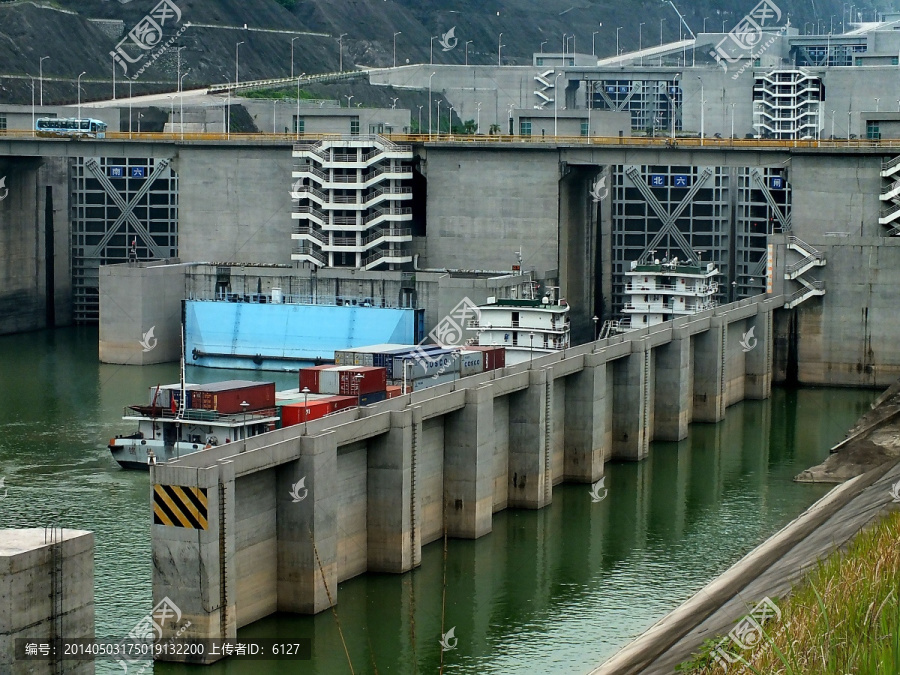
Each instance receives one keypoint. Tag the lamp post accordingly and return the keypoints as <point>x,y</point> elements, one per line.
<point>542,46</point>
<point>297,121</point>
<point>641,40</point>
<point>394,100</point>
<point>672,97</point>
<point>732,122</point>
<point>129,108</point>
<point>114,77</point>
<point>565,43</point>
<point>702,111</point>
<point>228,112</point>
<point>399,32</point>
<point>468,42</point>
<point>237,48</point>
<point>617,39</point>
<point>439,117</point>
<point>531,353</point>
<point>292,55</point>
<point>499,47</point>
<point>41,76</point>
<point>179,68</point>
<point>341,52</point>
<point>433,38</point>
<point>244,406</point>
<point>429,103</point>
<point>181,113</point>
<point>32,106</point>
<point>478,118</point>
<point>832,125</point>
<point>305,392</point>
<point>593,45</point>
<point>358,377</point>
<point>661,33</point>
<point>595,319</point>
<point>171,98</point>
<point>349,98</point>
<point>555,98</point>
<point>876,103</point>
<point>420,120</point>
<point>79,93</point>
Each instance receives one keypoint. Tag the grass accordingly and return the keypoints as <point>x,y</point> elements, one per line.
<point>287,93</point>
<point>845,618</point>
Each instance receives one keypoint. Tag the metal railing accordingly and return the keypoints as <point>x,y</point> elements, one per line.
<point>198,414</point>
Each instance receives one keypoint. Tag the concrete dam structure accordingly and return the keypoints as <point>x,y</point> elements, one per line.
<point>274,523</point>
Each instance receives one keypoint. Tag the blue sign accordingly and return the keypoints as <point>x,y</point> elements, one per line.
<point>623,90</point>
<point>680,180</point>
<point>137,172</point>
<point>657,180</point>
<point>117,172</point>
<point>776,183</point>
<point>610,89</point>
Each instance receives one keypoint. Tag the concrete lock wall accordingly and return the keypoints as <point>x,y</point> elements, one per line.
<point>295,511</point>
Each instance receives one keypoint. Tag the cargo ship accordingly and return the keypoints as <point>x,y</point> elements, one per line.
<point>183,418</point>
<point>180,419</point>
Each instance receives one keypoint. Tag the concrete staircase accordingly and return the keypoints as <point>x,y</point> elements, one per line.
<point>890,194</point>
<point>795,271</point>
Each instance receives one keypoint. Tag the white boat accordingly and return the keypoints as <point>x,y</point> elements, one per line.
<point>527,327</point>
<point>660,291</point>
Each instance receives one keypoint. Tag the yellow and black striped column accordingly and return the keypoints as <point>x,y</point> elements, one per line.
<point>180,506</point>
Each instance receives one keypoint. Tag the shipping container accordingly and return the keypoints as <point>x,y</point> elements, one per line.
<point>393,392</point>
<point>363,356</point>
<point>372,380</point>
<point>431,363</point>
<point>471,362</point>
<point>425,382</point>
<point>374,397</point>
<point>309,377</point>
<point>330,381</point>
<point>226,397</point>
<point>297,413</point>
<point>338,403</point>
<point>494,356</point>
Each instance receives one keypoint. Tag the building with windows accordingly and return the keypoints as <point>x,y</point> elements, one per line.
<point>349,194</point>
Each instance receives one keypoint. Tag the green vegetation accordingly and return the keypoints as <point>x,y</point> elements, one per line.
<point>288,93</point>
<point>844,619</point>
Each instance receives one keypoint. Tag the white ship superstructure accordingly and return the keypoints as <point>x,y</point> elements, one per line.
<point>525,327</point>
<point>660,291</point>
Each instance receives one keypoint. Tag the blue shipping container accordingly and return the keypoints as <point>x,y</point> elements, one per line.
<point>374,397</point>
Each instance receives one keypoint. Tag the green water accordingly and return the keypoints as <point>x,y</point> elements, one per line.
<point>550,591</point>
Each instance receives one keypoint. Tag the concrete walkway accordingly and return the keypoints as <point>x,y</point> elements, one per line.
<point>770,570</point>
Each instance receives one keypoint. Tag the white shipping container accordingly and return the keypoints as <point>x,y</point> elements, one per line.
<point>433,380</point>
<point>330,380</point>
<point>471,363</point>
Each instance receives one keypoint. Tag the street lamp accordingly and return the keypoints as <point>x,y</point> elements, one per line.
<point>595,319</point>
<point>439,117</point>
<point>297,121</point>
<point>565,43</point>
<point>702,111</point>
<point>358,377</point>
<point>433,38</point>
<point>420,120</point>
<point>348,97</point>
<point>555,98</point>
<point>499,47</point>
<point>593,46</point>
<point>32,106</point>
<point>531,353</point>
<point>617,39</point>
<point>478,118</point>
<point>876,103</point>
<point>305,391</point>
<point>542,46</point>
<point>41,76</point>
<point>732,122</point>
<point>237,48</point>
<point>399,32</point>
<point>341,52</point>
<point>114,75</point>
<point>179,70</point>
<point>394,100</point>
<point>79,93</point>
<point>292,55</point>
<point>468,42</point>
<point>181,114</point>
<point>429,103</point>
<point>244,405</point>
<point>171,98</point>
<point>641,40</point>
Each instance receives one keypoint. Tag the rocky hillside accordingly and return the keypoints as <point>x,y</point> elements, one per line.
<point>79,34</point>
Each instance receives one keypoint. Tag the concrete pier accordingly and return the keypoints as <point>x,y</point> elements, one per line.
<point>365,489</point>
<point>46,593</point>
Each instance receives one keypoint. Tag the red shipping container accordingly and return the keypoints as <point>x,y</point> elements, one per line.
<point>309,377</point>
<point>297,413</point>
<point>372,380</point>
<point>494,356</point>
<point>338,403</point>
<point>226,397</point>
<point>394,392</point>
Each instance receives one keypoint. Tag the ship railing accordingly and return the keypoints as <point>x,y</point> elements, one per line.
<point>199,415</point>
